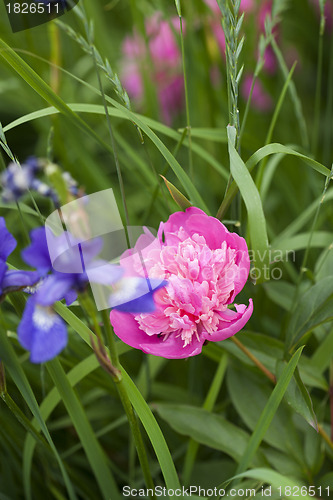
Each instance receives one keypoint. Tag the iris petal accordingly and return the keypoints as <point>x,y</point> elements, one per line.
<point>42,332</point>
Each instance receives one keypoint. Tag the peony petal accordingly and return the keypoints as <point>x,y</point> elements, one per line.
<point>215,233</point>
<point>236,322</point>
<point>179,219</point>
<point>127,329</point>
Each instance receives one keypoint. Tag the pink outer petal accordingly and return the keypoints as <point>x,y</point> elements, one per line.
<point>127,329</point>
<point>229,328</point>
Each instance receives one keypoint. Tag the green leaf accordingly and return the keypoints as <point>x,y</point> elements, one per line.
<point>217,432</point>
<point>322,357</point>
<point>281,293</point>
<point>314,307</point>
<point>178,197</point>
<point>298,397</point>
<point>249,392</point>
<point>269,411</point>
<point>208,134</point>
<point>179,12</point>
<point>99,109</point>
<point>256,217</point>
<point>319,239</point>
<point>95,455</point>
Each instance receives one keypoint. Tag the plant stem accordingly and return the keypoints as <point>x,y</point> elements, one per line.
<point>325,437</point>
<point>188,121</point>
<point>318,86</point>
<point>133,422</point>
<point>255,360</point>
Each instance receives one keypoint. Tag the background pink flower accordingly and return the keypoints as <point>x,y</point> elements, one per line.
<point>206,267</point>
<point>260,99</point>
<point>270,62</point>
<point>216,26</point>
<point>161,58</point>
<point>245,5</point>
<point>328,12</point>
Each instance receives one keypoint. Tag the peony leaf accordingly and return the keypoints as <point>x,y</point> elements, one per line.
<point>298,396</point>
<point>314,307</point>
<point>249,394</point>
<point>178,197</point>
<point>217,432</point>
<point>268,413</point>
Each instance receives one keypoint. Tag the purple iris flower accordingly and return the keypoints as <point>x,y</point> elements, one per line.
<point>41,330</point>
<point>73,260</point>
<point>11,281</point>
<point>17,180</point>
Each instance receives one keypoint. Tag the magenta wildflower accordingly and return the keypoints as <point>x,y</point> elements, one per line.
<point>260,99</point>
<point>216,27</point>
<point>162,52</point>
<point>206,266</point>
<point>270,62</point>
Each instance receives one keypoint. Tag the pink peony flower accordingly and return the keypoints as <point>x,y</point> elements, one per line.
<point>164,54</point>
<point>206,267</point>
<point>260,99</point>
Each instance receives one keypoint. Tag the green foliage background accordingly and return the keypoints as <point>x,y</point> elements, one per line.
<point>63,432</point>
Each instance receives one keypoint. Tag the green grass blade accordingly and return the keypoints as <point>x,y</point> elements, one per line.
<point>268,413</point>
<point>154,433</point>
<point>50,402</point>
<point>275,148</point>
<point>14,368</point>
<point>294,96</point>
<point>256,217</point>
<point>275,479</point>
<point>259,155</point>
<point>94,452</point>
<point>273,123</point>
